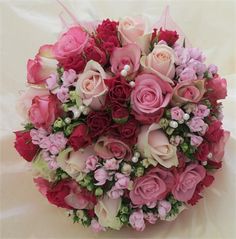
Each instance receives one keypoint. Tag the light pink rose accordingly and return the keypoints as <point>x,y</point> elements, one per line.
<point>136,220</point>
<point>196,124</point>
<point>201,111</point>
<point>96,227</point>
<point>127,55</point>
<point>176,113</point>
<point>91,86</point>
<point>188,74</point>
<point>153,186</point>
<point>108,148</point>
<point>115,193</point>
<point>69,77</point>
<point>43,65</point>
<point>188,91</point>
<point>101,176</point>
<point>122,181</point>
<point>63,94</point>
<point>91,163</point>
<point>111,164</point>
<point>187,181</point>
<point>154,144</point>
<point>70,43</point>
<point>52,82</point>
<point>164,208</point>
<point>25,101</point>
<point>160,62</point>
<point>131,29</point>
<point>149,97</point>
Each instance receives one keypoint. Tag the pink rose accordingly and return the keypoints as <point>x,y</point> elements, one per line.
<point>91,163</point>
<point>96,227</point>
<point>43,65</point>
<point>196,124</point>
<point>136,220</point>
<point>149,97</point>
<point>187,181</point>
<point>195,140</point>
<point>91,86</point>
<point>177,113</point>
<point>71,43</point>
<point>151,187</point>
<point>164,208</point>
<point>217,88</point>
<point>44,111</point>
<point>25,101</point>
<point>188,74</point>
<point>122,181</point>
<point>154,144</point>
<point>188,91</point>
<point>108,148</point>
<point>127,55</point>
<point>131,29</point>
<point>111,164</point>
<point>101,176</point>
<point>160,62</point>
<point>151,218</point>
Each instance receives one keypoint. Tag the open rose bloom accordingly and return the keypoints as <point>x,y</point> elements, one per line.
<point>124,126</point>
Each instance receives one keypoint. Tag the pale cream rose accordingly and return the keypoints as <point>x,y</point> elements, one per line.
<point>106,210</point>
<point>154,144</point>
<point>74,162</point>
<point>91,87</point>
<point>160,62</point>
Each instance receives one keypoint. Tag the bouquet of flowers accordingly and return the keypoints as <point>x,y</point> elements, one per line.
<point>123,127</point>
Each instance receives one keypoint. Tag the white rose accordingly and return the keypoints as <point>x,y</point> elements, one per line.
<point>153,143</point>
<point>106,210</point>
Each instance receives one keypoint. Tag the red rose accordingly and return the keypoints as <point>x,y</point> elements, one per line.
<point>76,62</point>
<point>170,37</point>
<point>68,194</point>
<point>44,111</point>
<point>108,35</point>
<point>98,123</point>
<point>120,114</point>
<point>203,151</point>
<point>214,132</point>
<point>24,145</point>
<point>79,137</point>
<point>119,90</point>
<point>92,52</point>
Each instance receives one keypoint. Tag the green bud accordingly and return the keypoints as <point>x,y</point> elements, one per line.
<point>124,218</point>
<point>59,123</point>
<point>169,131</point>
<point>87,179</point>
<point>124,210</point>
<point>139,171</point>
<point>168,114</point>
<point>65,107</point>
<point>73,95</point>
<point>90,187</point>
<point>82,184</point>
<point>98,192</point>
<point>164,123</point>
<point>207,103</point>
<point>69,130</point>
<point>184,147</point>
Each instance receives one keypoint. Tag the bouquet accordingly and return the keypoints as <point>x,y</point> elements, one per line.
<point>122,127</point>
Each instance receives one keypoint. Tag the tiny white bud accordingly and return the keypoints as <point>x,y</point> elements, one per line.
<point>132,83</point>
<point>127,67</point>
<point>204,163</point>
<point>124,73</point>
<point>81,108</point>
<point>137,154</point>
<point>68,120</point>
<point>86,110</point>
<point>173,124</point>
<point>209,155</point>
<point>134,159</point>
<point>186,116</point>
<point>76,113</point>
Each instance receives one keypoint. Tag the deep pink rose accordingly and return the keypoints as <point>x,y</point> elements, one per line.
<point>203,151</point>
<point>24,145</point>
<point>217,88</point>
<point>108,148</point>
<point>153,186</point>
<point>215,131</point>
<point>44,111</point>
<point>187,182</point>
<point>70,43</point>
<point>188,91</point>
<point>127,55</point>
<point>149,97</point>
<point>42,66</point>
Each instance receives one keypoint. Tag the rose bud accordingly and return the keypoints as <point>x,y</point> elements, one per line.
<point>120,114</point>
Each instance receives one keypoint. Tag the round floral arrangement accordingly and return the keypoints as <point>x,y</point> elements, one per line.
<point>123,127</point>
